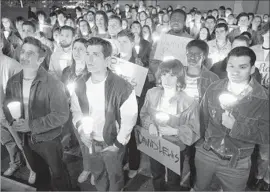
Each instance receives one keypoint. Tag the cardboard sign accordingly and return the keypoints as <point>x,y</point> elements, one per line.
<point>263,67</point>
<point>171,45</point>
<point>163,151</point>
<point>131,72</point>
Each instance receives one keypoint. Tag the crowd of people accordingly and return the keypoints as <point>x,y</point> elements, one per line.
<point>56,86</point>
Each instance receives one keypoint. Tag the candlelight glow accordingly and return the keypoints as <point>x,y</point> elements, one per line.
<point>227,100</point>
<point>15,109</point>
<point>137,48</point>
<point>71,88</point>
<point>168,58</point>
<point>156,37</point>
<point>162,117</point>
<point>88,123</point>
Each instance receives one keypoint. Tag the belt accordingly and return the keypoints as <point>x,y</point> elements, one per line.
<point>223,157</point>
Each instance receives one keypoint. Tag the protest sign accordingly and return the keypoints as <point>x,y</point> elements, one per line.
<point>171,45</point>
<point>133,73</point>
<point>163,151</point>
<point>263,67</point>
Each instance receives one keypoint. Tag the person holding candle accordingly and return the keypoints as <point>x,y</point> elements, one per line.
<point>70,76</point>
<point>230,134</point>
<point>44,110</point>
<point>62,57</point>
<point>8,68</point>
<point>110,102</point>
<point>181,125</point>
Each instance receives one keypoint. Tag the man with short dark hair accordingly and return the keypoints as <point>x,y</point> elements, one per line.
<point>104,111</point>
<point>210,23</point>
<point>234,117</point>
<point>114,26</point>
<point>44,110</point>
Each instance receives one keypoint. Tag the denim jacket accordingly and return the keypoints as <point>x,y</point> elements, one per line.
<point>48,105</point>
<point>187,117</point>
<point>251,125</point>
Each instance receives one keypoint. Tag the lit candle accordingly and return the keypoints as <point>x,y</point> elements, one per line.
<point>162,117</point>
<point>227,100</point>
<point>71,87</point>
<point>137,48</point>
<point>63,64</point>
<point>15,109</point>
<point>87,127</point>
<point>168,58</point>
<point>156,37</point>
<point>6,33</point>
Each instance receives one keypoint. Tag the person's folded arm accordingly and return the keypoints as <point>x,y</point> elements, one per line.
<point>59,110</point>
<point>129,113</point>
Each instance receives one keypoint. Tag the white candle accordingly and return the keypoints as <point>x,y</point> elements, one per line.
<point>162,117</point>
<point>71,88</point>
<point>15,109</point>
<point>137,48</point>
<point>6,33</point>
<point>227,100</point>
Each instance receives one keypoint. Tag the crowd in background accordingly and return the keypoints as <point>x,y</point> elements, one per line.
<point>42,54</point>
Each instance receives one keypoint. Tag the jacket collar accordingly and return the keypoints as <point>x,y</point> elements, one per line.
<point>41,76</point>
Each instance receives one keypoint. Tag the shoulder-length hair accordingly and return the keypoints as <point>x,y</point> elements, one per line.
<point>174,67</point>
<point>105,17</point>
<point>79,30</point>
<point>80,40</point>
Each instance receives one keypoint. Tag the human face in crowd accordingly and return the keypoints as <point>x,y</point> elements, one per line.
<point>61,19</point>
<point>143,16</point>
<point>114,27</point>
<point>239,69</point>
<point>56,36</point>
<point>41,18</point>
<point>79,52</point>
<point>29,57</point>
<point>203,34</point>
<point>90,17</point>
<point>100,21</point>
<point>66,38</point>
<point>27,30</point>
<point>70,23</point>
<point>265,18</point>
<point>84,28</point>
<point>78,13</point>
<point>136,29</point>
<point>19,25</point>
<point>230,20</point>
<point>168,81</point>
<point>210,24</point>
<point>95,60</point>
<point>195,57</point>
<point>227,13</point>
<point>53,19</point>
<point>177,22</point>
<point>198,17</point>
<point>145,33</point>
<point>266,39</point>
<point>6,23</point>
<point>124,24</point>
<point>126,8</point>
<point>126,46</point>
<point>215,13</point>
<point>165,19</point>
<point>239,43</point>
<point>148,22</point>
<point>256,21</point>
<point>221,34</point>
<point>243,21</point>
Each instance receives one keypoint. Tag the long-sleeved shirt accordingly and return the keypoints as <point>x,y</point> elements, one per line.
<point>96,99</point>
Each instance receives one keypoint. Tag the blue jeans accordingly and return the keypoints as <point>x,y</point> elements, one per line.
<point>209,165</point>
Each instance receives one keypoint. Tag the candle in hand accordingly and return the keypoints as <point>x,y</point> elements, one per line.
<point>227,100</point>
<point>137,48</point>
<point>15,109</point>
<point>71,88</point>
<point>162,117</point>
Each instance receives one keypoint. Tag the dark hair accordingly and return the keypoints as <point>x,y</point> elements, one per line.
<point>78,8</point>
<point>65,27</point>
<point>20,18</point>
<point>88,26</point>
<point>203,46</point>
<point>56,29</point>
<point>36,43</point>
<point>106,45</point>
<point>90,12</point>
<point>222,8</point>
<point>176,68</point>
<point>243,14</point>
<point>265,28</point>
<point>250,14</point>
<point>246,34</point>
<point>222,25</point>
<point>52,14</point>
<point>208,34</point>
<point>179,11</point>
<point>104,16</point>
<point>59,12</point>
<point>116,18</point>
<point>211,17</point>
<point>242,38</point>
<point>41,13</point>
<point>126,33</point>
<point>137,23</point>
<point>29,23</point>
<point>221,20</point>
<point>243,51</point>
<point>229,9</point>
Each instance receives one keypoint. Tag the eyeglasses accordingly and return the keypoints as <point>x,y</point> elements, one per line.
<point>196,56</point>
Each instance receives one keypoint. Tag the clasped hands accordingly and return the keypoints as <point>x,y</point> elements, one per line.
<point>228,120</point>
<point>21,125</point>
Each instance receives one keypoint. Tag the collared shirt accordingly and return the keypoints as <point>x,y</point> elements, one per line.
<point>217,53</point>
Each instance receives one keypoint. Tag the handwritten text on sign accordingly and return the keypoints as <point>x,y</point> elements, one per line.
<point>158,148</point>
<point>171,45</point>
<point>263,67</point>
<point>133,73</point>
